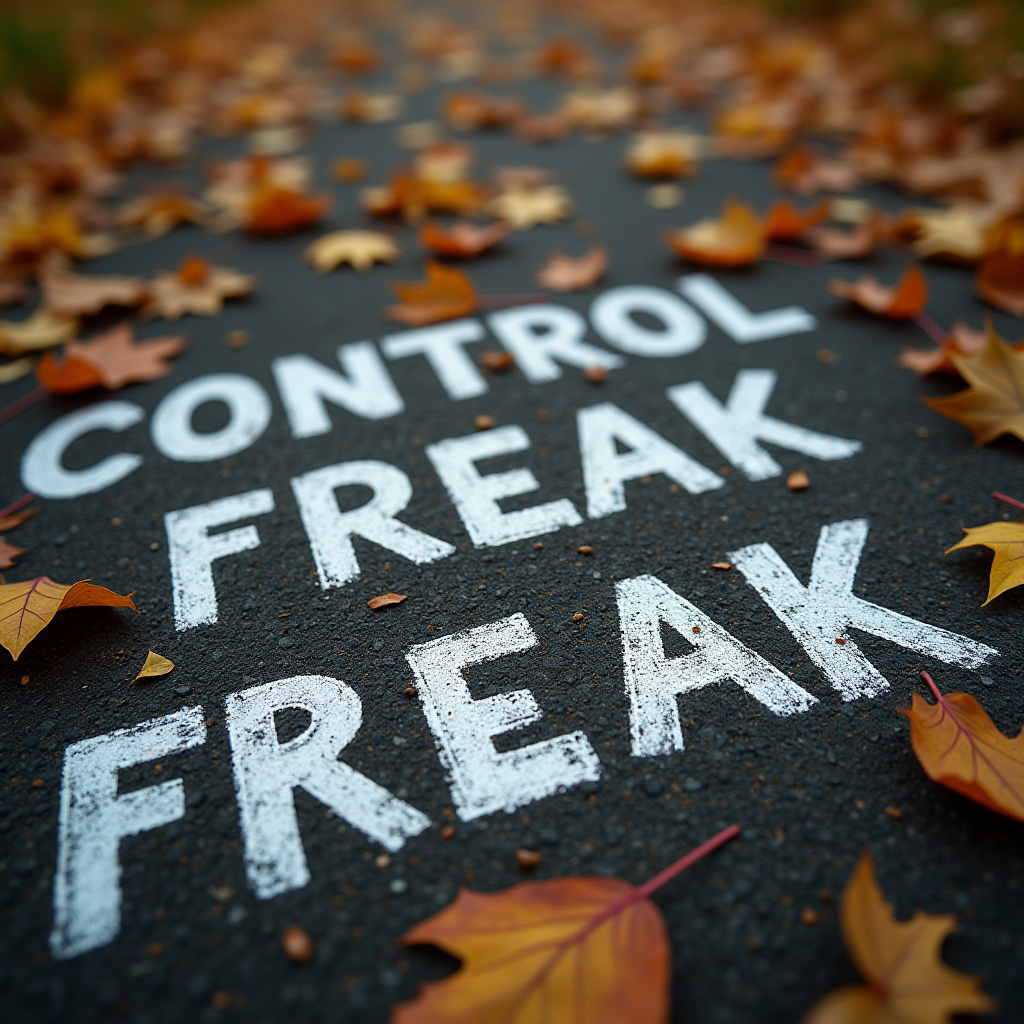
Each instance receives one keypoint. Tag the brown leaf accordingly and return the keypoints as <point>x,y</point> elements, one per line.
<point>785,223</point>
<point>40,330</point>
<point>274,210</point>
<point>446,295</point>
<point>962,341</point>
<point>112,359</point>
<point>562,273</point>
<point>360,249</point>
<point>736,239</point>
<point>16,519</point>
<point>463,239</point>
<point>386,600</point>
<point>856,244</point>
<point>807,172</point>
<point>663,154</point>
<point>901,302</point>
<point>526,207</point>
<point>67,294</point>
<point>999,280</point>
<point>8,553</point>
<point>196,287</point>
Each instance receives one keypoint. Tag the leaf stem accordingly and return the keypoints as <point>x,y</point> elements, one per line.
<point>930,327</point>
<point>1009,501</point>
<point>790,255</point>
<point>931,686</point>
<point>504,301</point>
<point>684,862</point>
<point>17,506</point>
<point>26,401</point>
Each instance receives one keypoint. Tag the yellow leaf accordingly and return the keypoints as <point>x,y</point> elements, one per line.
<point>1007,541</point>
<point>156,665</point>
<point>959,747</point>
<point>41,330</point>
<point>525,207</point>
<point>361,249</point>
<point>907,981</point>
<point>27,608</point>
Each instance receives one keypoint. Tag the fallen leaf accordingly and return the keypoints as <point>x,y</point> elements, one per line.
<point>446,295</point>
<point>959,747</point>
<point>722,566</point>
<point>360,249</point>
<point>736,239</point>
<point>112,359</point>
<point>15,370</point>
<point>16,519</point>
<point>158,212</point>
<point>663,154</point>
<point>347,169</point>
<point>67,294</point>
<point>858,243</point>
<point>562,273</point>
<point>957,234</point>
<point>807,172</point>
<point>8,553</point>
<point>41,330</point>
<point>525,207</point>
<point>571,950</point>
<point>999,280</point>
<point>196,287</point>
<point>155,665</point>
<point>901,302</point>
<point>785,223</point>
<point>907,982</point>
<point>463,239</point>
<point>385,600</point>
<point>27,608</point>
<point>275,210</point>
<point>1006,540</point>
<point>962,341</point>
<point>483,422</point>
<point>993,403</point>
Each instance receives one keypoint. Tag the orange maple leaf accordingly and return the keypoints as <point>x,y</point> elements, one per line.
<point>463,239</point>
<point>785,223</point>
<point>571,950</point>
<point>737,239</point>
<point>276,210</point>
<point>959,747</point>
<point>112,359</point>
<point>901,302</point>
<point>27,608</point>
<point>446,295</point>
<point>999,280</point>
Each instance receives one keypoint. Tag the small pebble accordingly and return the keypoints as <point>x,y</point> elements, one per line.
<point>398,886</point>
<point>496,362</point>
<point>584,549</point>
<point>298,946</point>
<point>382,860</point>
<point>595,374</point>
<point>485,422</point>
<point>409,691</point>
<point>798,481</point>
<point>236,339</point>
<point>664,197</point>
<point>447,832</point>
<point>528,859</point>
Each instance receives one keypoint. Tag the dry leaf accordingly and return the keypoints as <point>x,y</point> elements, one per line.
<point>446,295</point>
<point>1006,540</point>
<point>956,234</point>
<point>347,169</point>
<point>16,519</point>
<point>562,273</point>
<point>907,982</point>
<point>275,210</point>
<point>157,213</point>
<point>959,747</point>
<point>807,172</point>
<point>962,341</point>
<point>27,608</point>
<point>112,359</point>
<point>999,280</point>
<point>833,243</point>
<point>8,553</point>
<point>15,370</point>
<point>67,294</point>
<point>386,600</point>
<point>571,951</point>
<point>196,287</point>
<point>785,223</point>
<point>663,154</point>
<point>41,330</point>
<point>901,302</point>
<point>156,665</point>
<point>463,239</point>
<point>993,404</point>
<point>360,249</point>
<point>737,239</point>
<point>525,207</point>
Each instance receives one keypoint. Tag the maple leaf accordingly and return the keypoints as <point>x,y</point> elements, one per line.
<point>993,404</point>
<point>159,212</point>
<point>361,249</point>
<point>1006,540</point>
<point>155,665</point>
<point>276,210</point>
<point>112,359</point>
<point>29,607</point>
<point>525,207</point>
<point>901,302</point>
<point>907,981</point>
<point>562,273</point>
<point>663,154</point>
<point>571,950</point>
<point>67,294</point>
<point>196,287</point>
<point>785,223</point>
<point>956,234</point>
<point>40,330</point>
<point>962,341</point>
<point>736,239</point>
<point>959,747</point>
<point>446,295</point>
<point>999,280</point>
<point>8,553</point>
<point>463,239</point>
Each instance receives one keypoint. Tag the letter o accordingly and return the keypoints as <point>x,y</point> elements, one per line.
<point>684,331</point>
<point>248,415</point>
<point>41,470</point>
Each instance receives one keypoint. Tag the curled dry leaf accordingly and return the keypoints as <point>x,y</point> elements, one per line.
<point>41,330</point>
<point>993,403</point>
<point>16,519</point>
<point>832,243</point>
<point>999,280</point>
<point>463,239</point>
<point>29,607</point>
<point>8,553</point>
<point>196,287</point>
<point>155,665</point>
<point>67,294</point>
<point>785,223</point>
<point>386,600</point>
<point>962,341</point>
<point>360,249</point>
<point>446,295</point>
<point>901,302</point>
<point>900,961</point>
<point>959,747</point>
<point>736,239</point>
<point>571,950</point>
<point>663,154</point>
<point>523,208</point>
<point>562,273</point>
<point>112,359</point>
<point>1006,540</point>
<point>274,210</point>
